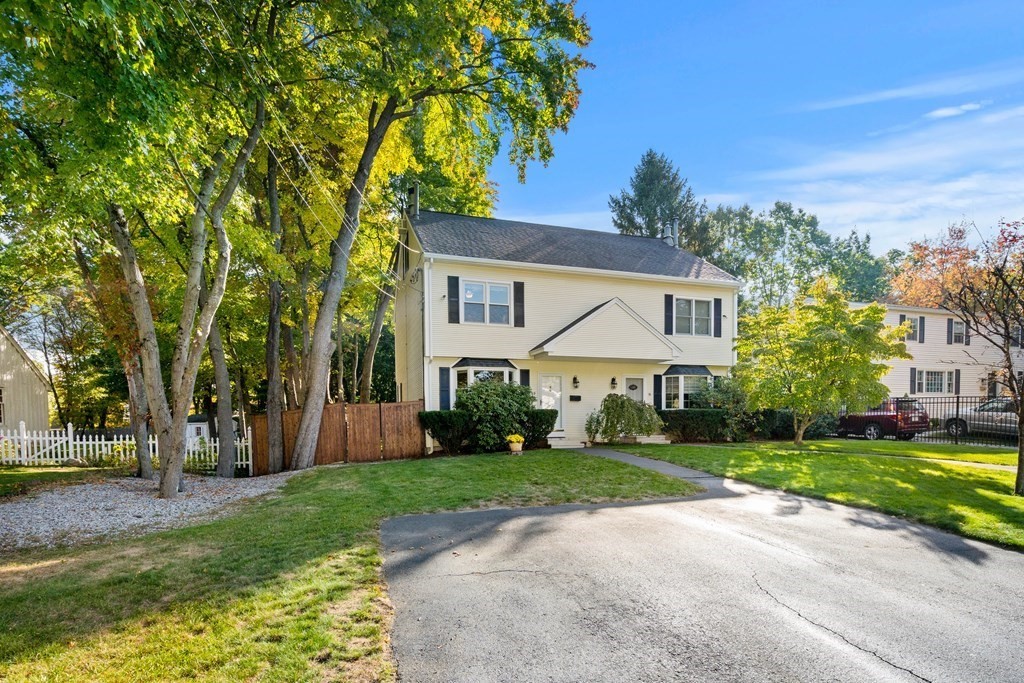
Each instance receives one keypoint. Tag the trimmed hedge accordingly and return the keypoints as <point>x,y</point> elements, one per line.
<point>450,428</point>
<point>455,430</point>
<point>696,424</point>
<point>778,425</point>
<point>539,423</point>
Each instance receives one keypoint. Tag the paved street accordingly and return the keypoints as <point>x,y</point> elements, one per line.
<point>740,584</point>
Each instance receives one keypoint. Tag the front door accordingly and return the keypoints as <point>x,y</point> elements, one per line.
<point>635,388</point>
<point>551,395</point>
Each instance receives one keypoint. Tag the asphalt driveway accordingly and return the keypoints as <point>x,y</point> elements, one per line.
<point>739,584</point>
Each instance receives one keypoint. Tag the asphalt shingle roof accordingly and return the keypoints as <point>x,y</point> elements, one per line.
<point>502,240</point>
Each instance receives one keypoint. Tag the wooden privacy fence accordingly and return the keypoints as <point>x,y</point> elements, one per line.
<point>349,432</point>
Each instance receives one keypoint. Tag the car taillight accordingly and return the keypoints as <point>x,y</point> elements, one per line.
<point>899,419</point>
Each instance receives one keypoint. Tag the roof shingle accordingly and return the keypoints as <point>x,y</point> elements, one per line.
<point>503,240</point>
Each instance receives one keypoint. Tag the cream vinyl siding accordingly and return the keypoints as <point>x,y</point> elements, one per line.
<point>408,320</point>
<point>24,391</point>
<point>974,362</point>
<point>554,299</point>
<point>595,383</point>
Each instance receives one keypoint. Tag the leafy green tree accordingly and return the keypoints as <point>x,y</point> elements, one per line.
<point>815,356</point>
<point>658,201</point>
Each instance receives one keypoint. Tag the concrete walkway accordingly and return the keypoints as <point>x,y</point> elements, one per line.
<point>703,479</point>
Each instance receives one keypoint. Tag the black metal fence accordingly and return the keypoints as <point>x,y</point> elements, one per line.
<point>976,420</point>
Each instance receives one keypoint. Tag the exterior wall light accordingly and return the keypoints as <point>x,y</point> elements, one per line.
<point>575,382</point>
<point>615,383</point>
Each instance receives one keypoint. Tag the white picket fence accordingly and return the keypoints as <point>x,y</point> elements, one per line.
<point>54,446</point>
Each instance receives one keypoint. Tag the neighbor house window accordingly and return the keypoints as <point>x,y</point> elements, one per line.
<point>693,316</point>
<point>681,389</point>
<point>959,331</point>
<point>912,336</point>
<point>485,302</point>
<point>936,381</point>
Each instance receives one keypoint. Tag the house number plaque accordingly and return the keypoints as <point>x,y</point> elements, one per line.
<point>633,387</point>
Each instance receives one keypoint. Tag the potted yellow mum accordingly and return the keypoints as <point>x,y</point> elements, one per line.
<point>515,442</point>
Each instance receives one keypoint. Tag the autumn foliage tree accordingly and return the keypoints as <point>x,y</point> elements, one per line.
<point>978,278</point>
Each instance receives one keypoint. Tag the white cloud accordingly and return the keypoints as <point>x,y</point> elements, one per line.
<point>980,80</point>
<point>949,112</point>
<point>910,185</point>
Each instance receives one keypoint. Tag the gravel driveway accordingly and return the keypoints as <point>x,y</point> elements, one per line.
<point>739,584</point>
<point>71,514</point>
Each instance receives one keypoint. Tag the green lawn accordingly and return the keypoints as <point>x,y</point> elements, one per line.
<point>287,589</point>
<point>909,449</point>
<point>19,480</point>
<point>971,501</point>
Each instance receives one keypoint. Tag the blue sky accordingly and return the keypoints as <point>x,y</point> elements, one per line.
<point>895,118</point>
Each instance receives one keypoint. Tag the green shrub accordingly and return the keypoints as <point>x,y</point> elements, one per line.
<point>594,425</point>
<point>778,425</point>
<point>497,410</point>
<point>450,428</point>
<point>620,415</point>
<point>696,424</point>
<point>539,423</point>
<point>727,395</point>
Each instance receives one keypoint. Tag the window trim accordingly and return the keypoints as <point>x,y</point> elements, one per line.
<point>681,380</point>
<point>693,316</point>
<point>486,302</point>
<point>948,382</point>
<point>914,322</point>
<point>962,333</point>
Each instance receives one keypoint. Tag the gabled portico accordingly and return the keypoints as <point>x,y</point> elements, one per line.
<point>611,331</point>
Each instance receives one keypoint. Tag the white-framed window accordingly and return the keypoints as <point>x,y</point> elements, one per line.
<point>936,382</point>
<point>466,376</point>
<point>1,405</point>
<point>199,430</point>
<point>488,303</point>
<point>912,336</point>
<point>680,389</point>
<point>693,316</point>
<point>959,332</point>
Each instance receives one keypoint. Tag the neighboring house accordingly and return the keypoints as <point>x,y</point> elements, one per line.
<point>947,359</point>
<point>24,391</point>
<point>198,429</point>
<point>573,314</point>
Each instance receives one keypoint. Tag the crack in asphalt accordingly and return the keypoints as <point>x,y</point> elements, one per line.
<point>839,635</point>
<point>500,571</point>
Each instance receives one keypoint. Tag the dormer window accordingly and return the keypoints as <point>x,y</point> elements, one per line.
<point>487,303</point>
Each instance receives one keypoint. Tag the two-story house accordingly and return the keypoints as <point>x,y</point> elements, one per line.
<point>947,359</point>
<point>573,314</point>
<point>24,391</point>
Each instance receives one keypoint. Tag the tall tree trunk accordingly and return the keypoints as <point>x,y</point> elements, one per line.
<point>385,296</point>
<point>275,434</point>
<point>294,376</point>
<point>319,359</point>
<point>170,416</point>
<point>225,420</point>
<point>338,345</point>
<point>138,409</point>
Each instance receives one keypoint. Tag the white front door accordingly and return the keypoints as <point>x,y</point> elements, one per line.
<point>635,388</point>
<point>551,395</point>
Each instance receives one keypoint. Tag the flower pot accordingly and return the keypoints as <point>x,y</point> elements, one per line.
<point>516,447</point>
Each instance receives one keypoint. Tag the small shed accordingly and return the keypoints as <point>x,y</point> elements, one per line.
<point>24,391</point>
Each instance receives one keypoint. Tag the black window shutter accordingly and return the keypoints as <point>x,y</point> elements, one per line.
<point>967,335</point>
<point>444,383</point>
<point>956,381</point>
<point>903,319</point>
<point>913,380</point>
<point>453,299</point>
<point>657,392</point>
<point>949,330</point>
<point>519,303</point>
<point>524,377</point>
<point>1015,335</point>
<point>920,330</point>
<point>718,317</point>
<point>670,310</point>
